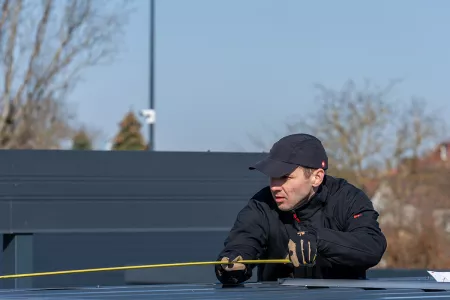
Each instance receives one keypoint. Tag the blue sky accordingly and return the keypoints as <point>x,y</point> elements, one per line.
<point>229,68</point>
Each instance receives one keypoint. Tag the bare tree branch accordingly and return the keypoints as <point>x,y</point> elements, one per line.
<point>365,131</point>
<point>44,48</point>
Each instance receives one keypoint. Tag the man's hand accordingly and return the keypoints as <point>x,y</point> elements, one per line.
<point>303,247</point>
<point>232,272</point>
<point>231,265</point>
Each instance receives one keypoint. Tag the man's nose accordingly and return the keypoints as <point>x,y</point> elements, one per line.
<point>275,189</point>
<point>275,184</point>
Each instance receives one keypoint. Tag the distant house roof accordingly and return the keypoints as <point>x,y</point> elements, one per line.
<point>428,183</point>
<point>440,155</point>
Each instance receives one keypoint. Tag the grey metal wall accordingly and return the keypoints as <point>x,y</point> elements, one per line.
<point>105,208</point>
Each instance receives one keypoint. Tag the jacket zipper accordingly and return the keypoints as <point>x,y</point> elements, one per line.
<point>296,222</point>
<point>297,226</point>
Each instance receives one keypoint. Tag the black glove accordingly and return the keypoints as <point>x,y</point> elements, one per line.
<point>231,272</point>
<point>303,246</point>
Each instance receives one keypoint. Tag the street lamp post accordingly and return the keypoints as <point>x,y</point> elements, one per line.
<point>151,120</point>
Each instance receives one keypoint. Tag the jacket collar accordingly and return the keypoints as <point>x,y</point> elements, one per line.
<point>307,210</point>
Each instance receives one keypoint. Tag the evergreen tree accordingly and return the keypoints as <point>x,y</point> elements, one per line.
<point>81,141</point>
<point>129,136</point>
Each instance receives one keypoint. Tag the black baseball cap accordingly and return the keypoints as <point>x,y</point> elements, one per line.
<point>291,152</point>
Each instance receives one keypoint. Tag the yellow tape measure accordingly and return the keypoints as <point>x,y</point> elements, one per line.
<point>185,264</point>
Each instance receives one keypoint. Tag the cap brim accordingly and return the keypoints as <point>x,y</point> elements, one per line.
<point>273,168</point>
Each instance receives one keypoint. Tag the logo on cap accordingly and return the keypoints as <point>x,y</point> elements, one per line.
<point>323,164</point>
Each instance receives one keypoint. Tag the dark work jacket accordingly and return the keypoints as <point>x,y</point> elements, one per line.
<point>349,238</point>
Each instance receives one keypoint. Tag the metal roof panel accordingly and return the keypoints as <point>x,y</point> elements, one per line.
<point>214,291</point>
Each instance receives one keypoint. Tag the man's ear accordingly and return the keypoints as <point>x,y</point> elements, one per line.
<point>317,177</point>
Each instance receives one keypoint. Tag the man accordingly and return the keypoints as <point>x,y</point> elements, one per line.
<point>325,226</point>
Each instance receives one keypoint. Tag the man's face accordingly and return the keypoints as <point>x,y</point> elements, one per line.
<point>294,189</point>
